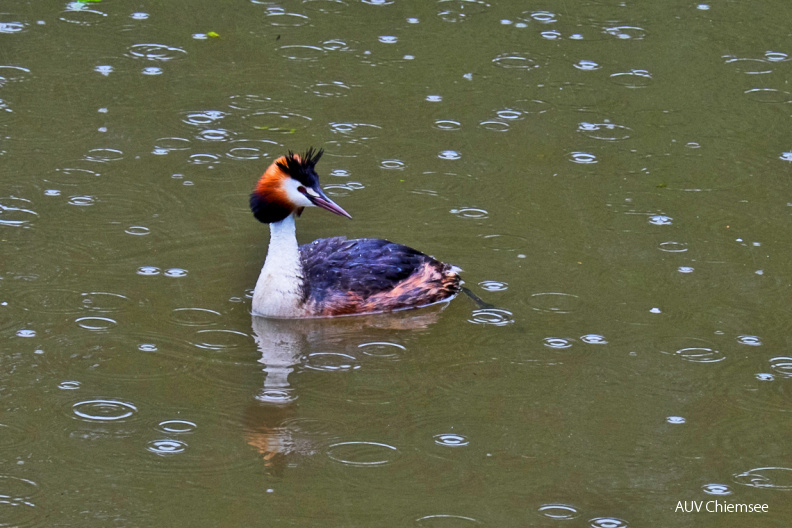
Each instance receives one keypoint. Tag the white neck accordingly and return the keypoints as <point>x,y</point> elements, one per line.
<point>278,290</point>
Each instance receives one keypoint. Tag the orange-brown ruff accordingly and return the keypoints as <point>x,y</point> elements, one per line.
<point>334,276</point>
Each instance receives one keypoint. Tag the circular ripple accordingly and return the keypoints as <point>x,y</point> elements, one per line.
<point>166,447</point>
<point>495,125</point>
<point>451,440</point>
<point>215,134</point>
<point>279,122</point>
<point>449,155</point>
<point>749,340</point>
<point>69,385</point>
<point>583,158</point>
<point>559,511</point>
<point>779,478</point>
<point>768,95</point>
<point>558,343</point>
<point>716,489</point>
<point>16,501</point>
<point>594,339</point>
<point>155,52</point>
<point>103,410</point>
<point>493,286</point>
<point>104,155</point>
<point>632,78</point>
<point>16,212</point>
<point>329,89</point>
<point>148,271</point>
<point>9,74</point>
<point>221,339</point>
<point>782,365</point>
<point>700,355</point>
<point>560,303</point>
<point>195,316</point>
<point>95,324</point>
<point>607,522</point>
<point>626,32</point>
<point>673,247</point>
<point>298,52</point>
<point>362,454</point>
<point>470,212</point>
<point>137,231</point>
<point>441,520</point>
<point>676,420</point>
<point>517,61</point>
<point>492,316</point>
<point>605,131</point>
<point>168,144</point>
<point>382,349</point>
<point>81,15</point>
<point>392,164</point>
<point>104,301</point>
<point>447,124</point>
<point>331,362</point>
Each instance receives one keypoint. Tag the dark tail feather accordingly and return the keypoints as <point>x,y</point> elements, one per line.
<point>476,299</point>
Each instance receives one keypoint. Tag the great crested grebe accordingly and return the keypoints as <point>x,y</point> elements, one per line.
<point>333,276</point>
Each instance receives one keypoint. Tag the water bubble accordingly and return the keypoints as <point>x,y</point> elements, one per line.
<point>103,410</point>
<point>786,156</point>
<point>559,511</point>
<point>545,17</point>
<point>763,376</point>
<point>104,69</point>
<point>151,70</point>
<point>675,420</point>
<point>716,489</point>
<point>749,340</point>
<point>451,440</point>
<point>558,343</point>
<point>362,454</point>
<point>493,286</point>
<point>147,347</point>
<point>388,39</point>
<point>148,270</point>
<point>26,332</point>
<point>175,272</point>
<point>492,316</point>
<point>551,35</point>
<point>166,447</point>
<point>655,310</point>
<point>660,220</point>
<point>449,155</point>
<point>139,16</point>
<point>594,339</point>
<point>434,98</point>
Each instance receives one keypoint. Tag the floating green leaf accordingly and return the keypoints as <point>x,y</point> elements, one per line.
<point>213,34</point>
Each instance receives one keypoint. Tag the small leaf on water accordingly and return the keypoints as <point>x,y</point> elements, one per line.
<point>662,185</point>
<point>213,34</point>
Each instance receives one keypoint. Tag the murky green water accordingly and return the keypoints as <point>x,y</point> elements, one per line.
<point>612,176</point>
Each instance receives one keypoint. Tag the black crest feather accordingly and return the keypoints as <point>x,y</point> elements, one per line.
<point>302,168</point>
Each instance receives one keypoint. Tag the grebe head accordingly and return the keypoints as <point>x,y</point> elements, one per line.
<point>289,185</point>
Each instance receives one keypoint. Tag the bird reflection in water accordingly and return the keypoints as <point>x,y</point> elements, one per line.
<point>272,420</point>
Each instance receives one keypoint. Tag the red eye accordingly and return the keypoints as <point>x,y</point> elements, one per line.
<point>302,189</point>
